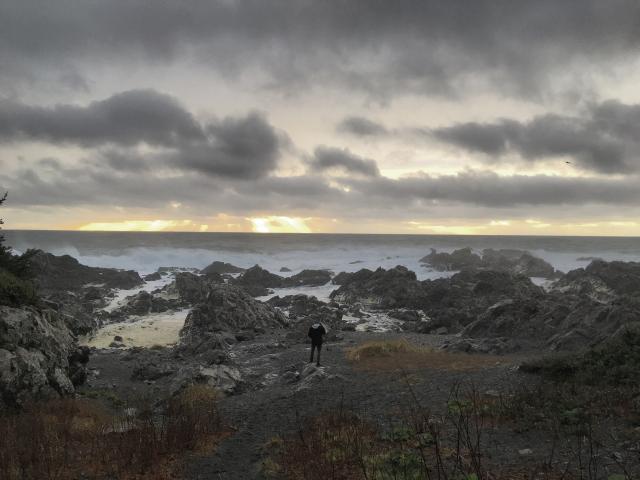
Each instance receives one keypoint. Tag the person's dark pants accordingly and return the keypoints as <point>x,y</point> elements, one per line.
<point>314,347</point>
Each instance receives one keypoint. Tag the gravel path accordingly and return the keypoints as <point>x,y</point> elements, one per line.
<point>257,416</point>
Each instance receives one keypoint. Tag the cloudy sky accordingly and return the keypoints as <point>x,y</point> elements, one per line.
<point>404,116</point>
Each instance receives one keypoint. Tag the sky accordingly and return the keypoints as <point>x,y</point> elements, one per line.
<point>492,117</point>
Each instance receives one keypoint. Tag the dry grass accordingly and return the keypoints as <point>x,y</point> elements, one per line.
<point>401,355</point>
<point>73,438</point>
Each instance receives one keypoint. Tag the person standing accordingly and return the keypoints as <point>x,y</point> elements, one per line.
<point>316,334</point>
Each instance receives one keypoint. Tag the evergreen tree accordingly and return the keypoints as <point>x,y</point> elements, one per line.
<point>18,265</point>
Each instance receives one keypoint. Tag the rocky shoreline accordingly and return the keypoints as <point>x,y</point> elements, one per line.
<point>245,347</point>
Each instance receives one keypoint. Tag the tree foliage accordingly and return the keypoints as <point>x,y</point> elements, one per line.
<point>15,273</point>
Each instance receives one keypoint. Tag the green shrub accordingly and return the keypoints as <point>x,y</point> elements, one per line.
<point>16,292</point>
<point>616,363</point>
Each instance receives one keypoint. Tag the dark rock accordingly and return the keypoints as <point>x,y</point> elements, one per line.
<point>518,262</point>
<point>257,281</point>
<point>192,288</point>
<point>227,309</point>
<point>221,268</point>
<point>141,303</point>
<point>457,260</point>
<point>343,277</point>
<point>396,287</point>
<point>225,378</point>
<point>118,338</point>
<point>56,273</point>
<point>602,281</point>
<point>37,356</point>
<point>285,269</point>
<point>152,277</point>
<point>308,278</point>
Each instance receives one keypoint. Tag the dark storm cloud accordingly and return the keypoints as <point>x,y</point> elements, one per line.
<point>362,127</point>
<point>605,139</point>
<point>244,147</point>
<point>492,190</point>
<point>383,48</point>
<point>126,118</point>
<point>238,148</point>
<point>325,158</point>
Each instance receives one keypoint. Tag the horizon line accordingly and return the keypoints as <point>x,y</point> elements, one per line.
<point>316,233</point>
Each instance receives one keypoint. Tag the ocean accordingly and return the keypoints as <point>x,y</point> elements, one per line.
<point>146,251</point>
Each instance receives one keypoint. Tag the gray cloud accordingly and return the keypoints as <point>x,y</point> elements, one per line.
<point>365,196</point>
<point>126,118</point>
<point>325,158</point>
<point>244,147</point>
<point>362,127</point>
<point>407,46</point>
<point>605,139</point>
<point>491,190</point>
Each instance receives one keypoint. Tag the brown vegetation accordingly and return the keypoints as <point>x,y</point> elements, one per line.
<point>419,444</point>
<point>401,355</point>
<point>73,438</point>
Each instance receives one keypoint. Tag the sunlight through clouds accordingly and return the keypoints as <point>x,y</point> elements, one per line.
<point>279,224</point>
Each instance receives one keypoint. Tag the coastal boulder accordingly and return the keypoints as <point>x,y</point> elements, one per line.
<point>308,278</point>
<point>396,287</point>
<point>602,281</point>
<point>55,273</point>
<point>221,268</point>
<point>257,281</point>
<point>38,356</point>
<point>227,309</point>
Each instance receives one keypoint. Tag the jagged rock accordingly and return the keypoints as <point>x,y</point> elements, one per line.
<point>518,262</point>
<point>142,303</point>
<point>602,281</point>
<point>227,309</point>
<point>37,355</point>
<point>343,277</point>
<point>78,310</point>
<point>492,346</point>
<point>284,269</point>
<point>396,287</point>
<point>257,281</point>
<point>55,273</point>
<point>457,260</point>
<point>152,277</point>
<point>221,268</point>
<point>305,310</point>
<point>308,278</point>
<point>225,378</point>
<point>193,288</point>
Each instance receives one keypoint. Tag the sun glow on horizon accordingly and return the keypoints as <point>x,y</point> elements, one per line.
<point>279,224</point>
<point>135,226</point>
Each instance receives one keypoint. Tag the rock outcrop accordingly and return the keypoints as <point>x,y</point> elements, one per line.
<point>518,262</point>
<point>65,273</point>
<point>602,281</point>
<point>308,278</point>
<point>221,268</point>
<point>257,281</point>
<point>304,310</point>
<point>38,356</point>
<point>227,311</point>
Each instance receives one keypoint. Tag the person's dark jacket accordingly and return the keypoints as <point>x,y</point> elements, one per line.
<point>316,332</point>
